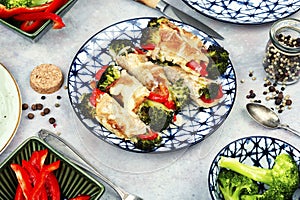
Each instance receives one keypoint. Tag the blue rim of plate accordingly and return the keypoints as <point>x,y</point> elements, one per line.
<point>198,123</point>
<point>263,150</point>
<point>245,11</point>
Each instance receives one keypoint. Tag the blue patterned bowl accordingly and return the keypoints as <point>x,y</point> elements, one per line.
<point>256,150</point>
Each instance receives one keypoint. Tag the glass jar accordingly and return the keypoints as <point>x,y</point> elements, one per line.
<point>282,58</point>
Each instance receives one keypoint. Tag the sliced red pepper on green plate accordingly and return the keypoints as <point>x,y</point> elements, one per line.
<point>23,179</point>
<point>6,13</point>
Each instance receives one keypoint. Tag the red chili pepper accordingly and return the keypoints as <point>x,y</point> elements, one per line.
<point>52,187</point>
<point>7,13</point>
<point>19,193</point>
<point>23,179</point>
<point>28,27</point>
<point>81,197</point>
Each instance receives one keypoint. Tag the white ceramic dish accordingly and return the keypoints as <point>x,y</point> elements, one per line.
<point>10,107</point>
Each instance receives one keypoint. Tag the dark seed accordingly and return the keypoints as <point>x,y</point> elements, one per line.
<point>272,88</point>
<point>30,115</point>
<point>46,111</point>
<point>24,106</point>
<point>58,97</point>
<point>39,106</point>
<point>43,97</point>
<point>52,120</point>
<point>42,113</point>
<point>288,102</point>
<point>33,107</point>
<point>278,101</point>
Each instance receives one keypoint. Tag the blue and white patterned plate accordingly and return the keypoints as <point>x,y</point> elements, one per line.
<point>245,11</point>
<point>258,151</point>
<point>195,123</point>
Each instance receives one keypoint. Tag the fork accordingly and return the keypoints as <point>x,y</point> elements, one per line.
<point>57,142</point>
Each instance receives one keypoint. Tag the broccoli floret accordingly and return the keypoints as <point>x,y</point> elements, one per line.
<point>155,114</point>
<point>218,61</point>
<point>148,145</point>
<point>233,185</point>
<point>22,3</point>
<point>86,109</point>
<point>210,92</point>
<point>111,74</point>
<point>283,178</point>
<point>120,46</point>
<point>156,22</point>
<point>179,93</point>
<point>150,34</point>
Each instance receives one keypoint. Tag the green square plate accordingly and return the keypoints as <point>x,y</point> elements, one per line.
<point>72,180</point>
<point>35,36</point>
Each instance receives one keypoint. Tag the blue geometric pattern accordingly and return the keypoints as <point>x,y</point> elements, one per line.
<point>245,11</point>
<point>194,123</point>
<point>258,151</point>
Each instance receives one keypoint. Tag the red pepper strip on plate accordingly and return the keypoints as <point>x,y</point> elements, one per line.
<point>38,158</point>
<point>41,179</point>
<point>7,13</point>
<point>33,24</point>
<point>58,23</point>
<point>23,179</point>
<point>19,193</point>
<point>52,187</point>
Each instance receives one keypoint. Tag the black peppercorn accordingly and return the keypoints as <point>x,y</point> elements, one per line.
<point>30,115</point>
<point>25,106</point>
<point>52,120</point>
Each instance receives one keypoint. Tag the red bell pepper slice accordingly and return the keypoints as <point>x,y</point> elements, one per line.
<point>161,95</point>
<point>19,193</point>
<point>148,46</point>
<point>6,13</point>
<point>34,24</point>
<point>209,100</point>
<point>38,158</point>
<point>28,17</point>
<point>23,179</point>
<point>198,67</point>
<point>96,93</point>
<point>52,187</point>
<point>46,170</point>
<point>151,135</point>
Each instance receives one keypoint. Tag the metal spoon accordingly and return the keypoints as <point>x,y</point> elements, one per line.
<point>68,151</point>
<point>267,117</point>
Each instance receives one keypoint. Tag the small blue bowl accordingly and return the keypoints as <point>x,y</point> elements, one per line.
<point>258,151</point>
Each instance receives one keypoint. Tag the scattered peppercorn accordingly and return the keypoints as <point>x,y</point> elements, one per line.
<point>52,120</point>
<point>39,106</point>
<point>57,105</point>
<point>43,97</point>
<point>46,111</point>
<point>30,115</point>
<point>25,106</point>
<point>58,97</point>
<point>33,107</point>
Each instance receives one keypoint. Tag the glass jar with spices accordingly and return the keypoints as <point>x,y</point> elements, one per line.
<point>282,58</point>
